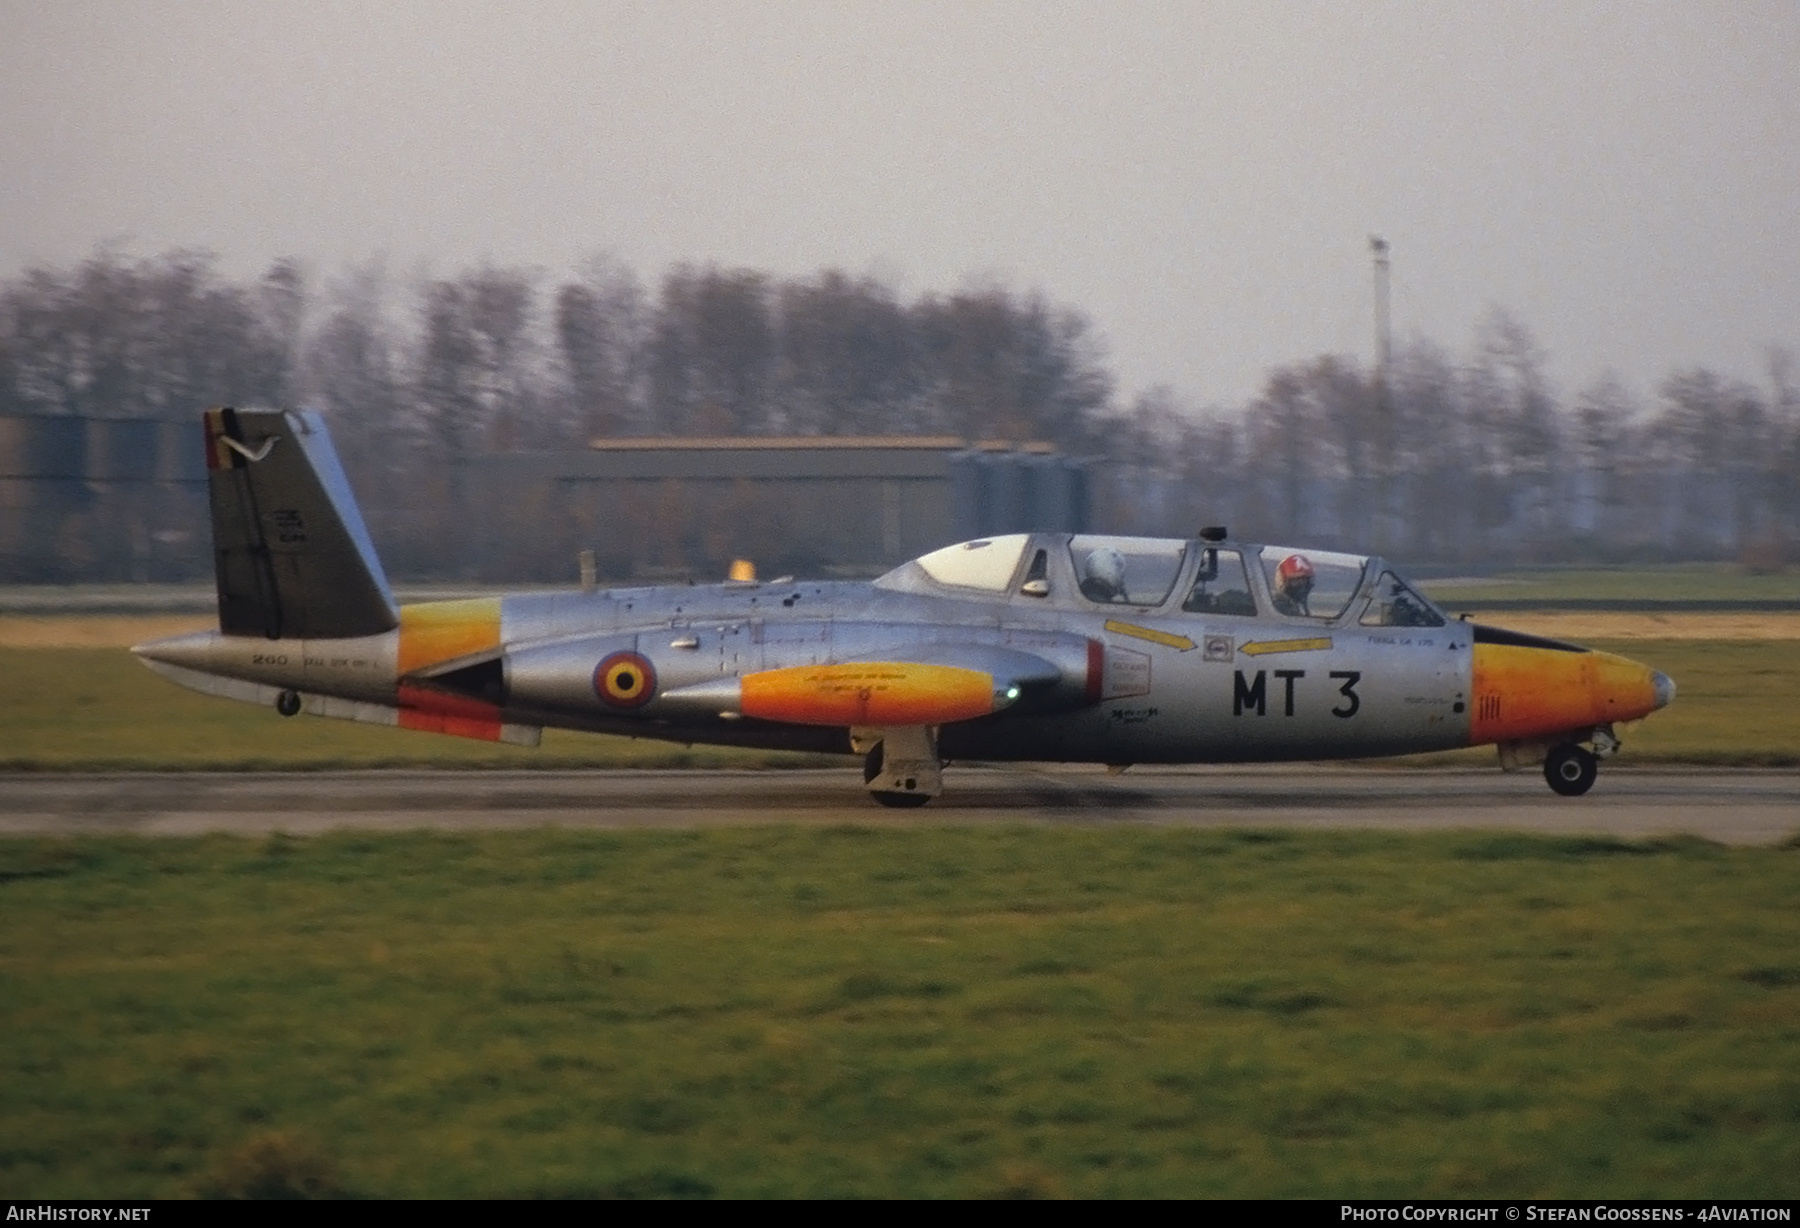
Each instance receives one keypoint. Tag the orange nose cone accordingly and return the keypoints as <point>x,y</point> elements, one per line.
<point>1529,692</point>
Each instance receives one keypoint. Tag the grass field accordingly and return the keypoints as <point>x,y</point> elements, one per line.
<point>97,708</point>
<point>899,1012</point>
<point>1697,582</point>
<point>884,1011</point>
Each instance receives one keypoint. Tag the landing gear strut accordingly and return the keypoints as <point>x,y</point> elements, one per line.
<point>1570,770</point>
<point>888,797</point>
<point>902,769</point>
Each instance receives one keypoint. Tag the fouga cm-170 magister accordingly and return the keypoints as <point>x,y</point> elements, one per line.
<point>1031,646</point>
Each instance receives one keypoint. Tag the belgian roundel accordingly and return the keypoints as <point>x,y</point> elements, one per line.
<point>625,680</point>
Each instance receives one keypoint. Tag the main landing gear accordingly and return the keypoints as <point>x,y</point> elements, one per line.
<point>899,799</point>
<point>901,767</point>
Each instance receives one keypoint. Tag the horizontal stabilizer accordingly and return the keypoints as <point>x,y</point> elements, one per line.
<point>435,719</point>
<point>292,557</point>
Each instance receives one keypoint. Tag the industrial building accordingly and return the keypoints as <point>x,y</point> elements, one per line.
<point>86,499</point>
<point>82,499</point>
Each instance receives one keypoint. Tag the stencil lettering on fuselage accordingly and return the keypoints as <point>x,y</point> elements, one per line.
<point>1127,674</point>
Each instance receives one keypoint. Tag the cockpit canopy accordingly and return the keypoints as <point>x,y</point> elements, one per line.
<point>986,564</point>
<point>1176,577</point>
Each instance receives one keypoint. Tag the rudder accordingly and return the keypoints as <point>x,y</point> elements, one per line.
<point>291,555</point>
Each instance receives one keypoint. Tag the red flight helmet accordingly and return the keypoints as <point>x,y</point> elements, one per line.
<point>1295,571</point>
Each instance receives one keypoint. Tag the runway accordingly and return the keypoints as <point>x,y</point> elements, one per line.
<point>1731,806</point>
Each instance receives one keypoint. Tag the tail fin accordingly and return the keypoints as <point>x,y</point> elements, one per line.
<point>292,557</point>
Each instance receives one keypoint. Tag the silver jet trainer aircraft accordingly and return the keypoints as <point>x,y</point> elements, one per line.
<point>1029,646</point>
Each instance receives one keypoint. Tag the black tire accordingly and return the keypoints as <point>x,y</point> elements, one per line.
<point>287,703</point>
<point>1570,770</point>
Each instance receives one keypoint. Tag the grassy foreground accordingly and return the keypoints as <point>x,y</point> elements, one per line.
<point>96,708</point>
<point>899,1012</point>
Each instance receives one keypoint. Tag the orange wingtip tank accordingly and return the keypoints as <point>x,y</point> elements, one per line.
<point>877,693</point>
<point>1525,692</point>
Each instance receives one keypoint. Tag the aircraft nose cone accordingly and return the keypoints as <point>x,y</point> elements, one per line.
<point>1664,686</point>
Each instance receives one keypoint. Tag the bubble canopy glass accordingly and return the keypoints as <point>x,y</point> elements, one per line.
<point>1136,571</point>
<point>1335,579</point>
<point>986,563</point>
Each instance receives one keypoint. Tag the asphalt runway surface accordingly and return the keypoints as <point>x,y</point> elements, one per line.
<point>1731,806</point>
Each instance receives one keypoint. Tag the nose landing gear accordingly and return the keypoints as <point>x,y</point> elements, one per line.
<point>1569,767</point>
<point>1570,770</point>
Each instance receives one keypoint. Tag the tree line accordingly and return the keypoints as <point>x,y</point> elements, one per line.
<point>1447,458</point>
<point>1442,456</point>
<point>500,358</point>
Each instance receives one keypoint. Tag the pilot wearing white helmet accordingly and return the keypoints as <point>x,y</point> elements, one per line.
<point>1103,575</point>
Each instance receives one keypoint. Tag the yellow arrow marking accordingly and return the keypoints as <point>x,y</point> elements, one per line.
<point>1264,647</point>
<point>1136,632</point>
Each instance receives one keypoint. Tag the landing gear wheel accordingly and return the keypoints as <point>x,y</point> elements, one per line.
<point>1570,770</point>
<point>287,703</point>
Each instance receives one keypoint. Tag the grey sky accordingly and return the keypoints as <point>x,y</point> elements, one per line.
<point>1201,179</point>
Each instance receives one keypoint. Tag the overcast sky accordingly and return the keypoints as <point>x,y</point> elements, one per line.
<point>1201,179</point>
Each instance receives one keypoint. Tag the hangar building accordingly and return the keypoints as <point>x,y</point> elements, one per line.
<point>85,499</point>
<point>663,508</point>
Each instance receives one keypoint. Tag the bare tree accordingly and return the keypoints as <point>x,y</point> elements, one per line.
<point>1690,437</point>
<point>1011,369</point>
<point>1784,453</point>
<point>1600,433</point>
<point>350,366</point>
<point>1284,433</point>
<point>601,332</point>
<point>1434,497</point>
<point>712,352</point>
<point>1347,409</point>
<point>1510,398</point>
<point>848,360</point>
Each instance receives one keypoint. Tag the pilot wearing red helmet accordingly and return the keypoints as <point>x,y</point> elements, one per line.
<point>1293,585</point>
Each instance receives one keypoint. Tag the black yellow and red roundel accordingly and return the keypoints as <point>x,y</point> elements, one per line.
<point>625,680</point>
